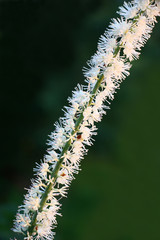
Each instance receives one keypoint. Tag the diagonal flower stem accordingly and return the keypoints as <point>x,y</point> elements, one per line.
<point>36,217</point>
<point>54,174</point>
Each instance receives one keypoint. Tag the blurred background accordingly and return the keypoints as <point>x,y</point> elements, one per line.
<point>43,46</point>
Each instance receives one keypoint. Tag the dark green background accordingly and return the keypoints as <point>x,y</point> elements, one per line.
<point>43,46</point>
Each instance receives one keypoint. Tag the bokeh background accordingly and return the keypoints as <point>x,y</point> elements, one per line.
<point>43,46</point>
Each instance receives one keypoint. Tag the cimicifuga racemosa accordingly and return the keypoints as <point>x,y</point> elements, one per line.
<point>110,65</point>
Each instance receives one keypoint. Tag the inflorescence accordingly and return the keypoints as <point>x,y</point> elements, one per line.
<point>120,44</point>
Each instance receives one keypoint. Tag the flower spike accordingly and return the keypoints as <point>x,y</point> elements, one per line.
<point>117,48</point>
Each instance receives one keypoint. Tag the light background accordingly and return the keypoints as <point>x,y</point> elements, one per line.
<point>43,46</point>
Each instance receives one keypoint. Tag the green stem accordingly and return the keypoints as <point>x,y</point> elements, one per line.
<point>68,143</point>
<point>59,162</point>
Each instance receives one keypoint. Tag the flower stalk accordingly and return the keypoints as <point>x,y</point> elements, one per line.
<point>54,174</point>
<point>117,48</point>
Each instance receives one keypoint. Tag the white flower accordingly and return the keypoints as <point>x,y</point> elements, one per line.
<point>42,169</point>
<point>119,26</point>
<point>152,11</point>
<point>143,4</point>
<point>130,52</point>
<point>87,113</point>
<point>119,69</point>
<point>107,43</point>
<point>69,124</point>
<point>63,176</point>
<point>51,156</point>
<point>108,58</point>
<point>128,10</point>
<point>32,203</point>
<point>77,147</point>
<point>80,97</point>
<point>74,158</point>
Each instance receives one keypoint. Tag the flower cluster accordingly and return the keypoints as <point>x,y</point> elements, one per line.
<point>120,44</point>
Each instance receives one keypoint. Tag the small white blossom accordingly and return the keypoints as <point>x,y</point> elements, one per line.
<point>63,176</point>
<point>143,4</point>
<point>119,26</point>
<point>128,10</point>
